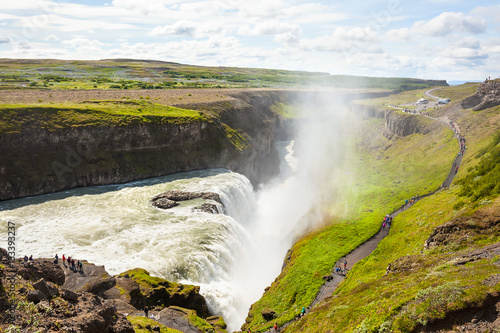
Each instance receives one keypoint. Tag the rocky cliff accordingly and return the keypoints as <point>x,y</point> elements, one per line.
<point>239,135</point>
<point>403,124</point>
<point>486,96</point>
<point>50,297</point>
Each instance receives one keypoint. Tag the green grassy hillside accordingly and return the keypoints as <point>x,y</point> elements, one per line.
<point>403,285</point>
<point>119,74</point>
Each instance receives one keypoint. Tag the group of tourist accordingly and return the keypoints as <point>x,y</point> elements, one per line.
<point>410,202</point>
<point>339,270</point>
<point>75,266</point>
<point>387,221</point>
<point>28,260</point>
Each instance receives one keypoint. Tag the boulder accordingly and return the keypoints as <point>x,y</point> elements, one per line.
<point>177,318</point>
<point>126,291</point>
<point>95,280</point>
<point>39,269</point>
<point>162,293</point>
<point>69,295</point>
<point>35,296</point>
<point>46,288</point>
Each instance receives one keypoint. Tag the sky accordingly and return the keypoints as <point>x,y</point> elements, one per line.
<point>428,39</point>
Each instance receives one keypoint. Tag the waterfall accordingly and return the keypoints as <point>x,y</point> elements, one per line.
<point>232,256</point>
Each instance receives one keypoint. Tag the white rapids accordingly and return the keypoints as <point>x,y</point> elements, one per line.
<point>232,256</point>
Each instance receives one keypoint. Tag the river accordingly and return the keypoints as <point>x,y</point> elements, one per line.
<point>233,256</point>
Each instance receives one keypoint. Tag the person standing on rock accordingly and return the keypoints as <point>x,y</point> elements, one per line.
<point>57,260</point>
<point>64,260</point>
<point>146,311</point>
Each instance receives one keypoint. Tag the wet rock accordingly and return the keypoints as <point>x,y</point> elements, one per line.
<point>208,208</point>
<point>165,203</point>
<point>170,199</point>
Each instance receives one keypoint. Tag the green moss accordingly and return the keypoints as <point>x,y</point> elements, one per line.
<point>142,277</point>
<point>139,324</point>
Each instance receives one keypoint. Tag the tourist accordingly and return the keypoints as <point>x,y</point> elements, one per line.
<point>64,260</point>
<point>303,312</point>
<point>56,261</point>
<point>275,327</point>
<point>25,258</point>
<point>146,311</point>
<point>31,258</point>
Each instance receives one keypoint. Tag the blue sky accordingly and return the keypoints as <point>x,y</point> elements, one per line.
<point>430,39</point>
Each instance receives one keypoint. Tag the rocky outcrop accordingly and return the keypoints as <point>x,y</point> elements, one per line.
<point>171,199</point>
<point>42,269</point>
<point>45,306</point>
<point>158,292</point>
<point>486,96</point>
<point>94,301</point>
<point>403,124</point>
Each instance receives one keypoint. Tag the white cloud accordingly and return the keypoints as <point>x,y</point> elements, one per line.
<point>398,35</point>
<point>271,27</point>
<point>83,42</point>
<point>449,22</point>
<point>342,40</point>
<point>186,28</point>
<point>52,38</point>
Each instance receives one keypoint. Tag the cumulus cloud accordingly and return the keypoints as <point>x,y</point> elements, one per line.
<point>78,42</point>
<point>187,29</point>
<point>4,40</point>
<point>342,40</point>
<point>398,35</point>
<point>270,28</point>
<point>52,38</point>
<point>449,22</point>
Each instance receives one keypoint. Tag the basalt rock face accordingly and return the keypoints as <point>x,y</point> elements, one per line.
<point>486,96</point>
<point>403,124</point>
<point>37,160</point>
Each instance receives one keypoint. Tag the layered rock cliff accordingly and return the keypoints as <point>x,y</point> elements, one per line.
<point>238,136</point>
<point>486,96</point>
<point>402,124</point>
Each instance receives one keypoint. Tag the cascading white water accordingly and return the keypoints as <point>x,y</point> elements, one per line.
<point>232,256</point>
<point>117,226</point>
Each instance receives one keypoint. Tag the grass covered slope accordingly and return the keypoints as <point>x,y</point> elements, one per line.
<point>386,172</point>
<point>438,266</point>
<point>423,274</point>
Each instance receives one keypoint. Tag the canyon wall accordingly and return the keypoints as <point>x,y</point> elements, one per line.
<point>241,138</point>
